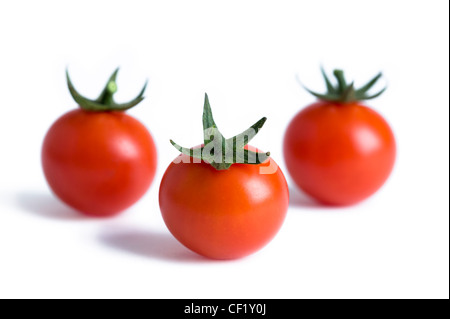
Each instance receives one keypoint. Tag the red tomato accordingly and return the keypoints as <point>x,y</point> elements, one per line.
<point>225,214</point>
<point>98,159</point>
<point>100,163</point>
<point>225,206</point>
<point>339,153</point>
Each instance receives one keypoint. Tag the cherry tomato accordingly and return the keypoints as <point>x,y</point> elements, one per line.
<point>339,152</point>
<point>223,213</point>
<point>98,162</point>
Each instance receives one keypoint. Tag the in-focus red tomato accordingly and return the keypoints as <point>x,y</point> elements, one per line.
<point>339,152</point>
<point>99,162</point>
<point>223,213</point>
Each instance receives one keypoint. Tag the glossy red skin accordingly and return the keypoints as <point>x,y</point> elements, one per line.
<point>339,154</point>
<point>224,214</point>
<point>99,163</point>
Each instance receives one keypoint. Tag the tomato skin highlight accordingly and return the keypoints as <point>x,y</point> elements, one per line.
<point>340,154</point>
<point>99,163</point>
<point>226,214</point>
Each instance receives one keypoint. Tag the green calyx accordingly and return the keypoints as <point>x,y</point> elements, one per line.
<point>345,92</point>
<point>221,153</point>
<point>105,102</point>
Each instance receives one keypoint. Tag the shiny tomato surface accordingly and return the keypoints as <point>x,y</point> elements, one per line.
<point>339,153</point>
<point>225,214</point>
<point>99,163</point>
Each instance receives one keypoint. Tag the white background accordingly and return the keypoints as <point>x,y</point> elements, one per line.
<point>246,55</point>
